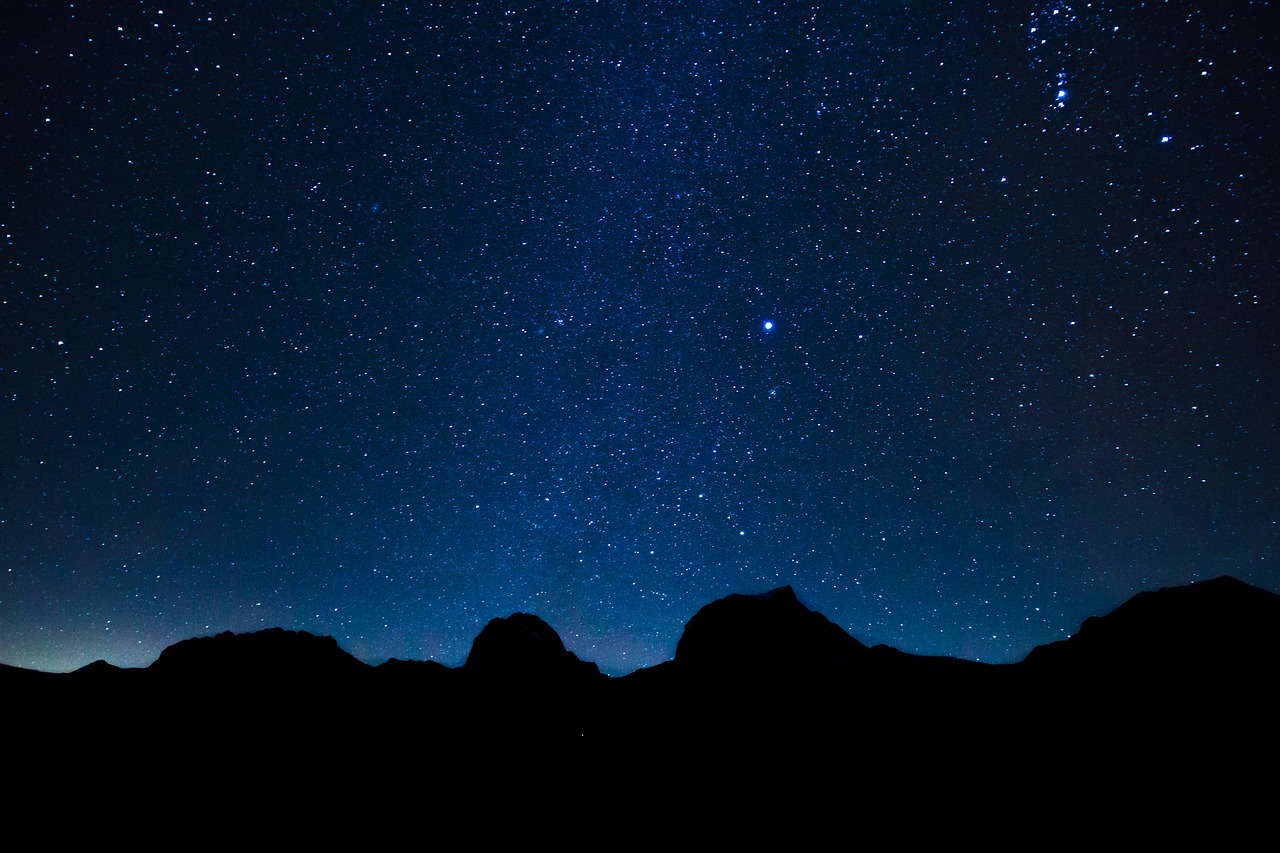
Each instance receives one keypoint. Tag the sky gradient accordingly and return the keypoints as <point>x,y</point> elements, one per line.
<point>381,320</point>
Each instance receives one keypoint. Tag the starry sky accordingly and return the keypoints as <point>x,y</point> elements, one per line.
<point>380,320</point>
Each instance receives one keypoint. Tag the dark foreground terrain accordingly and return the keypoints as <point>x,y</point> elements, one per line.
<point>1160,711</point>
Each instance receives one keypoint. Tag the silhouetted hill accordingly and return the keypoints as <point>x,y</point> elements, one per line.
<point>767,633</point>
<point>397,668</point>
<point>1206,628</point>
<point>1180,674</point>
<point>760,668</point>
<point>22,680</point>
<point>97,669</point>
<point>274,654</point>
<point>748,666</point>
<point>526,691</point>
<point>1172,685</point>
<point>522,646</point>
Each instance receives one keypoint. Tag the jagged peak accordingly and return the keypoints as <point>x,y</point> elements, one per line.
<point>270,649</point>
<point>782,593</point>
<point>772,627</point>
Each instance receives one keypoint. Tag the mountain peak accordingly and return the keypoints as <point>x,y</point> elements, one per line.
<point>521,645</point>
<point>272,652</point>
<point>771,630</point>
<point>784,593</point>
<point>1207,623</point>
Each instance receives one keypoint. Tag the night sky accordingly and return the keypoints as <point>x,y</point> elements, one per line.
<point>383,320</point>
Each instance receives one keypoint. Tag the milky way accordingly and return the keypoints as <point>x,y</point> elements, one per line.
<point>382,320</point>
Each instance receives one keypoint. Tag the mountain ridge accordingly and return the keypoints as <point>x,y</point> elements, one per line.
<point>761,688</point>
<point>529,637</point>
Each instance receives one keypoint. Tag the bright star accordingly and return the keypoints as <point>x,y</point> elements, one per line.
<point>768,325</point>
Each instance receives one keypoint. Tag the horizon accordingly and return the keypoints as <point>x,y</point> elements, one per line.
<point>377,661</point>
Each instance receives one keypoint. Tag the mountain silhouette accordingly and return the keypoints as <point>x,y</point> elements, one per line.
<point>767,633</point>
<point>274,655</point>
<point>1192,668</point>
<point>1206,628</point>
<point>523,646</point>
<point>1175,685</point>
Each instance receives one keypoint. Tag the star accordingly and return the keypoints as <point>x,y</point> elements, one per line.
<point>459,302</point>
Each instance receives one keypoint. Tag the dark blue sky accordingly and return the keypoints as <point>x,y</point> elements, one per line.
<point>382,320</point>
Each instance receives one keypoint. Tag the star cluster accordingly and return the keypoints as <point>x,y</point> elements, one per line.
<point>381,320</point>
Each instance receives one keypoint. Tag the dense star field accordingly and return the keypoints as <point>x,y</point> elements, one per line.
<point>380,320</point>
